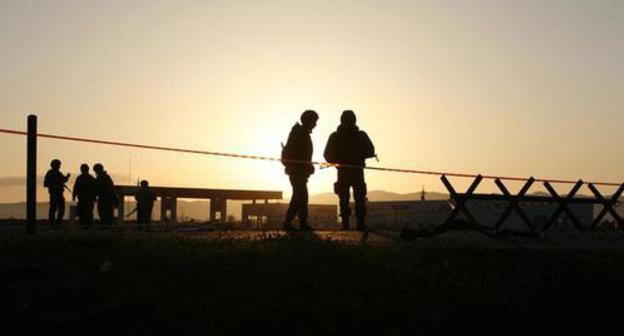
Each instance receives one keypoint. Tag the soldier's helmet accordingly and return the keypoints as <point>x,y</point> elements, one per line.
<point>98,168</point>
<point>309,116</point>
<point>55,164</point>
<point>347,117</point>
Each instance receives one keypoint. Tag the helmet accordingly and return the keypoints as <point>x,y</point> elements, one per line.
<point>144,184</point>
<point>55,164</point>
<point>98,168</point>
<point>309,116</point>
<point>347,117</point>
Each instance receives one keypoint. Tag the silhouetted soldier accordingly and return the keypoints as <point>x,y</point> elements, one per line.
<point>350,146</point>
<point>84,190</point>
<point>145,199</point>
<point>299,148</point>
<point>107,200</point>
<point>55,182</point>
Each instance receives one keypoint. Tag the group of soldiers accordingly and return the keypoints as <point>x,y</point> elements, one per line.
<point>89,190</point>
<point>347,148</point>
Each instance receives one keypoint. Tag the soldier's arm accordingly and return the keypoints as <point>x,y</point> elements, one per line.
<point>329,153</point>
<point>296,145</point>
<point>369,147</point>
<point>76,188</point>
<point>46,180</point>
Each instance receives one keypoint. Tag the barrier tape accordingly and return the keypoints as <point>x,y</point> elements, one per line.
<point>318,163</point>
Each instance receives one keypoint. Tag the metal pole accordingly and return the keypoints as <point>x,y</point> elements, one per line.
<point>31,176</point>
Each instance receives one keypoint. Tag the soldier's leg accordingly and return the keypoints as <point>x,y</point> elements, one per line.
<point>294,201</point>
<point>302,211</point>
<point>359,194</point>
<point>341,188</point>
<point>52,210</point>
<point>61,211</point>
<point>102,214</point>
<point>109,215</point>
<point>303,200</point>
<point>148,218</point>
<point>140,219</point>
<point>85,211</point>
<point>90,209</point>
<point>82,214</point>
<point>105,215</point>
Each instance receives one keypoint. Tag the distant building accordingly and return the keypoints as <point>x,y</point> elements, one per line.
<point>270,216</point>
<point>426,214</point>
<point>395,215</point>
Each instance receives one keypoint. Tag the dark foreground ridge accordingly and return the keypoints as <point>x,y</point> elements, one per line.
<point>300,284</point>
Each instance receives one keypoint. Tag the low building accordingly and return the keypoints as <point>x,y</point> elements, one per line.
<point>419,215</point>
<point>270,216</point>
<point>396,215</point>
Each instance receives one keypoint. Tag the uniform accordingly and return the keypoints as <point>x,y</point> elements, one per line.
<point>298,147</point>
<point>145,199</point>
<point>84,190</point>
<point>55,182</point>
<point>107,200</point>
<point>350,146</point>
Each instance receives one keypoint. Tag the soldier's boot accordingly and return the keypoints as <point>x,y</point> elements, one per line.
<point>360,224</point>
<point>304,226</point>
<point>287,226</point>
<point>345,223</point>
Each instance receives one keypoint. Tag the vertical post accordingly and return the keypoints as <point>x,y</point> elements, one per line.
<point>212,210</point>
<point>121,210</point>
<point>163,209</point>
<point>224,211</point>
<point>31,176</point>
<point>173,206</point>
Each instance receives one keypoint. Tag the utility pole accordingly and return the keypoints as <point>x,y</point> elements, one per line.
<point>31,176</point>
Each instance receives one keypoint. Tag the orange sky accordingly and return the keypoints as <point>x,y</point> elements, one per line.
<point>519,88</point>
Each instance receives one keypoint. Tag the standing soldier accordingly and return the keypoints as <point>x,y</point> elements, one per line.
<point>84,190</point>
<point>55,182</point>
<point>350,146</point>
<point>299,149</point>
<point>107,200</point>
<point>145,199</point>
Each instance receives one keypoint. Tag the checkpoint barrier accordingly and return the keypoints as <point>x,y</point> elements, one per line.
<point>459,201</point>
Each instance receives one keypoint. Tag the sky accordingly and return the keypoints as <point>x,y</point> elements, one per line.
<point>526,88</point>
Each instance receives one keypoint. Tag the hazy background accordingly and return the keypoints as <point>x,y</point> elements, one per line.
<point>507,87</point>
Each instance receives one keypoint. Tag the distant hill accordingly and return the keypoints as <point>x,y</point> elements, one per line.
<point>380,196</point>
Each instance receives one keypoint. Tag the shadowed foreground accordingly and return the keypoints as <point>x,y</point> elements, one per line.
<point>299,284</point>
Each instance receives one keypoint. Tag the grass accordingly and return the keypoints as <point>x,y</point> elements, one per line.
<point>113,284</point>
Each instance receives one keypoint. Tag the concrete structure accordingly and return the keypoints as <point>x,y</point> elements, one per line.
<point>218,199</point>
<point>271,216</point>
